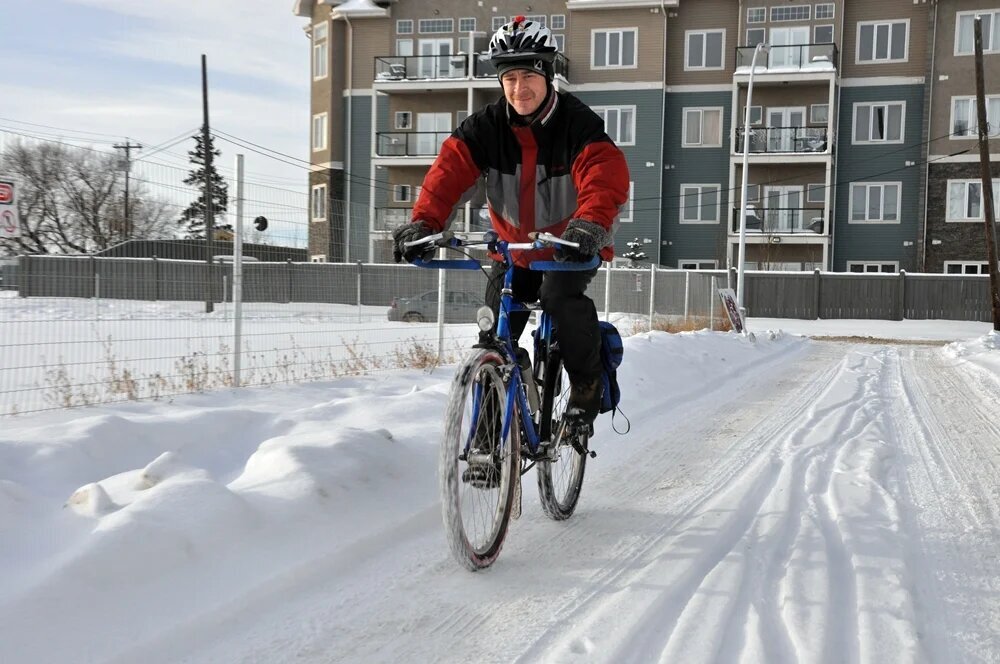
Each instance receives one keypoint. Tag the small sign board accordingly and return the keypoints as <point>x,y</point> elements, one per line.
<point>10,226</point>
<point>728,297</point>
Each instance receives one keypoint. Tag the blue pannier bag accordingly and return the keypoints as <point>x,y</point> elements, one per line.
<point>611,358</point>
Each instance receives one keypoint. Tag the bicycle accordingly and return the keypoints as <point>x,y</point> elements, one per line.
<point>505,416</point>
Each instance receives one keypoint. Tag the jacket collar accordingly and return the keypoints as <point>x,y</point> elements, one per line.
<point>541,117</point>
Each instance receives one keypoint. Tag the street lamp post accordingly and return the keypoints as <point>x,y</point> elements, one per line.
<point>743,189</point>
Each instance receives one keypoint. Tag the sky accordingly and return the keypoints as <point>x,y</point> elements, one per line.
<point>126,68</point>
<point>778,499</point>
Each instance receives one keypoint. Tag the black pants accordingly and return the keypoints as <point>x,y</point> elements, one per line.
<point>562,296</point>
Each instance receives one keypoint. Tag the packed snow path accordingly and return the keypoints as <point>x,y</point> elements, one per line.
<point>841,508</point>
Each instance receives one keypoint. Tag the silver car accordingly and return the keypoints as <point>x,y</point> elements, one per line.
<point>459,307</point>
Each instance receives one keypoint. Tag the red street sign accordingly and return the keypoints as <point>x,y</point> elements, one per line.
<point>6,193</point>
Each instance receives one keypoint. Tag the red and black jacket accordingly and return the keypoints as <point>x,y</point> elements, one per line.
<point>562,166</point>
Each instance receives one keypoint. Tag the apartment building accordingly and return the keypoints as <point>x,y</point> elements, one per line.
<point>854,109</point>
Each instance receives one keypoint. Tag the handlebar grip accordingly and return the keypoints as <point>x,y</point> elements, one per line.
<point>444,264</point>
<point>565,266</point>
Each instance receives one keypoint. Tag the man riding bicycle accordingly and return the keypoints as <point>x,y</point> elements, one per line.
<point>548,166</point>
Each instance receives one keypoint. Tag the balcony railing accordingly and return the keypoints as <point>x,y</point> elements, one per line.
<point>386,219</point>
<point>784,139</point>
<point>810,57</point>
<point>782,220</point>
<point>423,67</point>
<point>409,143</point>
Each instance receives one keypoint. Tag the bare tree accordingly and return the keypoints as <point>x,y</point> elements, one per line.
<point>71,201</point>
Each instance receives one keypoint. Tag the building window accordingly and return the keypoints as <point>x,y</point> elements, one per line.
<point>964,22</point>
<point>756,114</point>
<point>321,50</point>
<point>404,27</point>
<point>875,202</point>
<point>460,116</point>
<point>319,202</point>
<point>467,24</point>
<point>819,113</point>
<point>756,36</point>
<point>870,267</point>
<point>704,49</point>
<point>824,10</point>
<point>625,213</point>
<point>879,122</point>
<point>498,22</point>
<point>966,267</point>
<point>619,123</point>
<point>756,14</point>
<point>319,132</point>
<point>702,128</point>
<point>401,193</point>
<point>816,193</point>
<point>793,13</point>
<point>404,47</point>
<point>700,203</point>
<point>436,25</point>
<point>540,19</point>
<point>404,120</point>
<point>696,264</point>
<point>965,200</point>
<point>560,43</point>
<point>880,41</point>
<point>558,22</point>
<point>613,49</point>
<point>317,258</point>
<point>965,116</point>
<point>823,34</point>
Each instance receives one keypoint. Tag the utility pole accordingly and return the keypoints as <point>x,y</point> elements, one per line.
<point>209,211</point>
<point>127,147</point>
<point>986,176</point>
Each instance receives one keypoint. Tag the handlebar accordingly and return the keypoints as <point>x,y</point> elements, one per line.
<point>541,240</point>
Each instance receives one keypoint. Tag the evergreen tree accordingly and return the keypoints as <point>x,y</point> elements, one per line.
<point>192,220</point>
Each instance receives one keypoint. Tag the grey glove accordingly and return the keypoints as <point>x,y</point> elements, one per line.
<point>590,236</point>
<point>410,233</point>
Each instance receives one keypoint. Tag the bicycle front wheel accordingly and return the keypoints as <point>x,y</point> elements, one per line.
<point>478,470</point>
<point>560,478</point>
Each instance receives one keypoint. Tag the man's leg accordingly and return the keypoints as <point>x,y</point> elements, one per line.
<point>579,336</point>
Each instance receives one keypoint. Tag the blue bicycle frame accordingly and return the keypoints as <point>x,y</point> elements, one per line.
<point>508,305</point>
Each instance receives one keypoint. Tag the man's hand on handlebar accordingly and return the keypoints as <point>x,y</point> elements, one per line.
<point>588,237</point>
<point>404,237</point>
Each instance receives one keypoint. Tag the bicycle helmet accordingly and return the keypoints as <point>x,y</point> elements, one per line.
<point>523,44</point>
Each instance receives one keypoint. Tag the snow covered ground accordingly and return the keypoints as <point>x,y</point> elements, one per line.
<point>788,500</point>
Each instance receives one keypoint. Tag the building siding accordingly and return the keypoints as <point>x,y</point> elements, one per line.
<point>957,241</point>
<point>702,15</point>
<point>886,10</point>
<point>880,163</point>
<point>649,45</point>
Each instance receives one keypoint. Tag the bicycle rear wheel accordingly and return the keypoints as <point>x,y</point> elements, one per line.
<point>561,477</point>
<point>478,470</point>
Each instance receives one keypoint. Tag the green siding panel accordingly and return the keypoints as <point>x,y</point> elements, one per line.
<point>880,163</point>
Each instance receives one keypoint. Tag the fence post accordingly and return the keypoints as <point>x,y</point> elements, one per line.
<point>97,287</point>
<point>711,303</point>
<point>652,294</point>
<point>687,293</point>
<point>901,301</point>
<point>441,312</point>
<point>607,290</point>
<point>23,272</point>
<point>156,279</point>
<point>358,284</point>
<point>817,282</point>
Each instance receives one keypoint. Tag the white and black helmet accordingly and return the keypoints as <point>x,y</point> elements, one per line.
<point>523,44</point>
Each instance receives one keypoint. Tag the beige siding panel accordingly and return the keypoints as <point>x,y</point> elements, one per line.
<point>886,10</point>
<point>649,55</point>
<point>372,39</point>
<point>959,77</point>
<point>702,15</point>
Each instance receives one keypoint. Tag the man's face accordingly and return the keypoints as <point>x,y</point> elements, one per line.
<point>524,89</point>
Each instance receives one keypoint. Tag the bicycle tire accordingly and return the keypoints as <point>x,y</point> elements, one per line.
<point>476,517</point>
<point>561,479</point>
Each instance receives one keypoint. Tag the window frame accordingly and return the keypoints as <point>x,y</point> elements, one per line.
<point>317,258</point>
<point>994,32</point>
<point>701,110</point>
<point>815,186</point>
<point>400,114</point>
<point>621,51</point>
<point>759,110</point>
<point>983,267</point>
<point>324,118</point>
<point>562,23</point>
<point>973,130</point>
<point>881,61</point>
<point>629,206</point>
<point>402,22</point>
<point>497,22</point>
<point>753,21</point>
<point>879,264</point>
<point>965,200</point>
<point>807,17</point>
<point>398,191</point>
<point>704,33</point>
<point>321,43</point>
<point>421,23</point>
<point>699,264</point>
<point>749,41</point>
<point>317,201</point>
<point>467,18</point>
<point>812,114</point>
<point>833,11</point>
<point>602,112</point>
<point>833,33</point>
<point>881,219</point>
<point>869,140</point>
<point>701,186</point>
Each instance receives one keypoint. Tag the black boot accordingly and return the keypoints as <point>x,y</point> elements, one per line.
<point>584,403</point>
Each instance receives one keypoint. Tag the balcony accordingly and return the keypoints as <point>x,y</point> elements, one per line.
<point>781,221</point>
<point>772,140</point>
<point>801,57</point>
<point>445,67</point>
<point>409,143</point>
